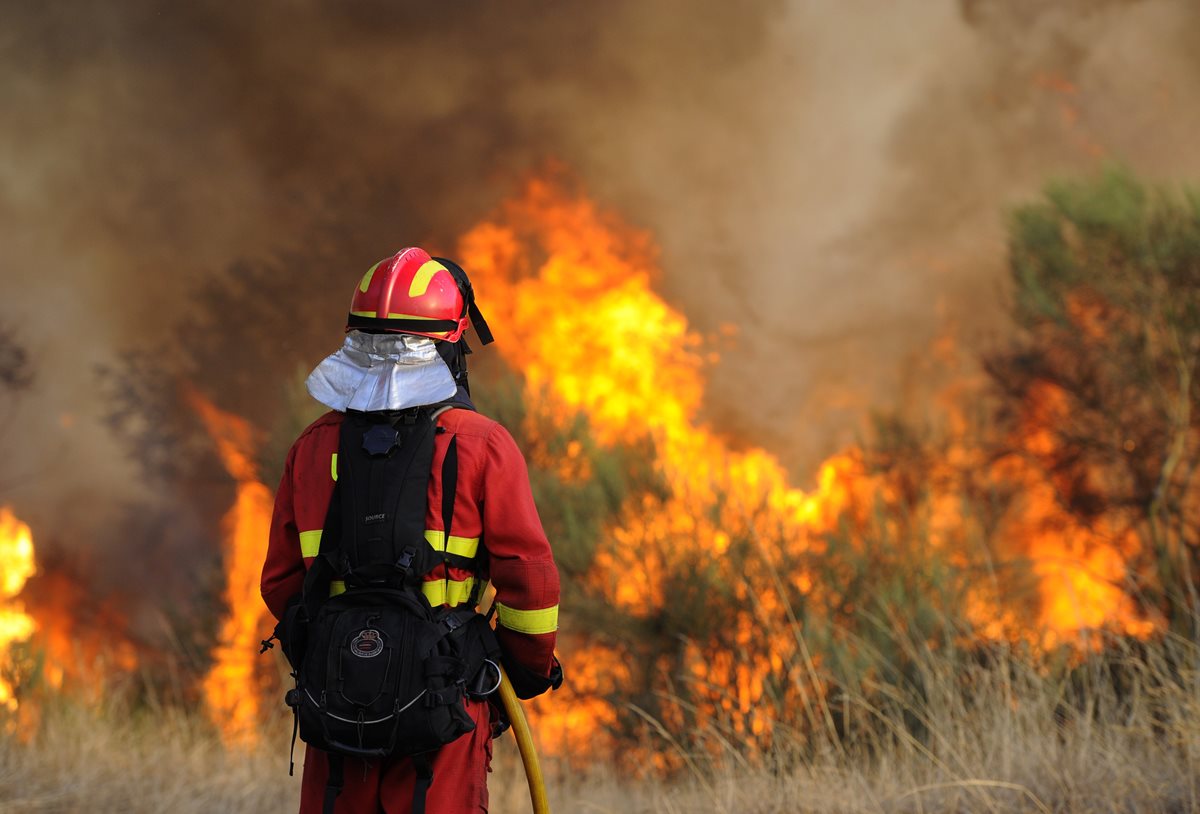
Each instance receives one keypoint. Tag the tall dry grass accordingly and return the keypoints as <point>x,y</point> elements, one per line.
<point>1119,732</point>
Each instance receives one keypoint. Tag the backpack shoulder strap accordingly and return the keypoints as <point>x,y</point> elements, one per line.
<point>449,485</point>
<point>384,466</point>
<point>325,566</point>
<point>449,492</point>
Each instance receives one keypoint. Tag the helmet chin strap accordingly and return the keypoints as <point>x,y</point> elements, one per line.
<point>454,354</point>
<point>469,307</point>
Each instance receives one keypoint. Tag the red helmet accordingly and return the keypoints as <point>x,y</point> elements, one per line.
<point>413,293</point>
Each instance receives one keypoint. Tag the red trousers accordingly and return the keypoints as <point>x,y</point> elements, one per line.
<point>459,784</point>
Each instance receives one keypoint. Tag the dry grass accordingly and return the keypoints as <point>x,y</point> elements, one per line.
<point>1120,734</point>
<point>108,760</point>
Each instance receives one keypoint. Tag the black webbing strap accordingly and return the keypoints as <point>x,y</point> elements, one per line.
<point>295,731</point>
<point>325,567</point>
<point>334,786</point>
<point>480,324</point>
<point>423,764</point>
<point>464,285</point>
<point>401,324</point>
<point>449,485</point>
<point>331,531</point>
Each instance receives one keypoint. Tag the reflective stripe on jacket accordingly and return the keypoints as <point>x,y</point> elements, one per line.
<point>493,510</point>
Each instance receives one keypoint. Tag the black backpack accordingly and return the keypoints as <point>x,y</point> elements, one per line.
<point>380,673</point>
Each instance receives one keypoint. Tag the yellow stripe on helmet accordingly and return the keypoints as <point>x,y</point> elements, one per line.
<point>365,283</point>
<point>420,281</point>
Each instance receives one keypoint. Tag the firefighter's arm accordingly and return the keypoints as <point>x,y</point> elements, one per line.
<point>283,569</point>
<point>522,569</point>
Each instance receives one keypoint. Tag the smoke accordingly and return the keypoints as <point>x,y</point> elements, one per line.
<point>839,193</point>
<point>829,178</point>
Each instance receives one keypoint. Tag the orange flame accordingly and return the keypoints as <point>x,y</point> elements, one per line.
<point>571,288</point>
<point>238,681</point>
<point>83,640</point>
<point>74,638</point>
<point>571,291</point>
<point>16,626</point>
<point>1083,570</point>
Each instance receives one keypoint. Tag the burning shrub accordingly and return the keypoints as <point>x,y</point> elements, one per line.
<point>726,605</point>
<point>710,601</point>
<point>1101,389</point>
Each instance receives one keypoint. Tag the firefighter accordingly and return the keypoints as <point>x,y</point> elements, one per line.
<point>405,347</point>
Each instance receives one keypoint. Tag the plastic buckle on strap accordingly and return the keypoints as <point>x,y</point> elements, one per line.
<point>453,622</point>
<point>445,697</point>
<point>406,558</point>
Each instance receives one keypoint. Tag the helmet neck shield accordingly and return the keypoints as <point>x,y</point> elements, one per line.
<point>382,371</point>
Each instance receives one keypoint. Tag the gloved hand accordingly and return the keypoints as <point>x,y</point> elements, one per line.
<point>527,683</point>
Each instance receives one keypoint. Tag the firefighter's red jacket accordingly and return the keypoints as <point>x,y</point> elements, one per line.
<point>493,508</point>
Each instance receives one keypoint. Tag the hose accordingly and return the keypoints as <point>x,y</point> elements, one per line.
<point>529,758</point>
<point>520,726</point>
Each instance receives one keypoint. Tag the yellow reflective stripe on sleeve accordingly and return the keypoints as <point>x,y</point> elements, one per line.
<point>420,281</point>
<point>333,466</point>
<point>450,592</point>
<point>310,543</point>
<point>528,621</point>
<point>462,546</point>
<point>336,587</point>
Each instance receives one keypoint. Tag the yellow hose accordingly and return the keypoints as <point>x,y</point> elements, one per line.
<point>520,728</point>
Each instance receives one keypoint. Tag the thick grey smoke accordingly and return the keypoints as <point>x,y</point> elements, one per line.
<point>839,194</point>
<point>828,177</point>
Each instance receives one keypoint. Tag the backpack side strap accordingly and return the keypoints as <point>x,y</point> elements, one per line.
<point>423,764</point>
<point>333,787</point>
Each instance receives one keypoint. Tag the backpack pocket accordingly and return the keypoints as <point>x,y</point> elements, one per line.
<point>381,678</point>
<point>292,632</point>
